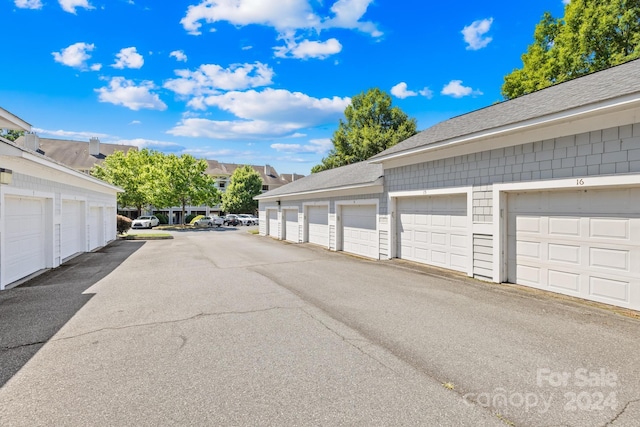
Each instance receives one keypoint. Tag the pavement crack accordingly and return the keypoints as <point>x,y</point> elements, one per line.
<point>619,414</point>
<point>23,345</point>
<point>168,322</point>
<point>351,342</point>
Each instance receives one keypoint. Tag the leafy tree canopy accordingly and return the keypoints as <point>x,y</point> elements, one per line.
<point>245,184</point>
<point>183,181</point>
<point>592,35</point>
<point>134,172</point>
<point>11,134</point>
<point>371,125</point>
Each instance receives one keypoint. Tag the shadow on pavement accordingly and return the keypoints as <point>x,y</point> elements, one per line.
<point>33,312</point>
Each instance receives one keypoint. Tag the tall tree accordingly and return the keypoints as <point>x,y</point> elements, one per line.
<point>592,35</point>
<point>371,125</point>
<point>134,172</point>
<point>11,134</point>
<point>245,184</point>
<point>184,182</point>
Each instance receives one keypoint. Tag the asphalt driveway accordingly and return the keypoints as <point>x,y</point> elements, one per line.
<point>220,327</point>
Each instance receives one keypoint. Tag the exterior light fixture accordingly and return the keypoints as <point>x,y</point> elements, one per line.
<point>6,176</point>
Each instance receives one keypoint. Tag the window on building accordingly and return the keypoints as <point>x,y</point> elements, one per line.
<point>265,188</point>
<point>221,184</point>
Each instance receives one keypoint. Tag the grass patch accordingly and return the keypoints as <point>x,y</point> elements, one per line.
<point>146,236</point>
<point>253,231</point>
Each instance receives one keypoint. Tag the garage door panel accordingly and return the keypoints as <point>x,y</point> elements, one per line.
<point>609,228</point>
<point>24,237</point>
<point>318,225</point>
<point>614,259</point>
<point>434,230</point>
<point>606,288</point>
<point>272,218</point>
<point>291,225</point>
<point>590,249</point>
<point>359,230</point>
<point>71,228</point>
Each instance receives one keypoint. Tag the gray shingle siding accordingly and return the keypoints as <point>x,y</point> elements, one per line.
<point>605,152</point>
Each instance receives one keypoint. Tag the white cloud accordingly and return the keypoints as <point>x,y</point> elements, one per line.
<point>135,122</point>
<point>209,79</point>
<point>125,92</point>
<point>70,134</point>
<point>262,114</point>
<point>236,129</point>
<point>566,2</point>
<point>71,5</point>
<point>426,92</point>
<point>455,89</point>
<point>347,14</point>
<point>473,34</point>
<point>96,67</point>
<point>315,146</point>
<point>279,14</point>
<point>308,49</point>
<point>285,16</point>
<point>179,55</point>
<point>400,91</point>
<point>279,106</point>
<point>28,4</point>
<point>128,57</point>
<point>75,55</point>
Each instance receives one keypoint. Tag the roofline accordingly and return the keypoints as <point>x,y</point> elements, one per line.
<point>17,121</point>
<point>377,185</point>
<point>549,119</point>
<point>48,163</point>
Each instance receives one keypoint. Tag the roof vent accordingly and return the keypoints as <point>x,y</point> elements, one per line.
<point>94,146</point>
<point>31,141</point>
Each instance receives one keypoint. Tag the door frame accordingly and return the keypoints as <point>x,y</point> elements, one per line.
<point>339,243</point>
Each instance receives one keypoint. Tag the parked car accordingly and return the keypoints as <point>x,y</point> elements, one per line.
<point>232,220</point>
<point>247,219</point>
<point>147,221</point>
<point>209,221</point>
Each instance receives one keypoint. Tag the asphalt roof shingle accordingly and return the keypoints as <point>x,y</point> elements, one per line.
<point>361,173</point>
<point>596,87</point>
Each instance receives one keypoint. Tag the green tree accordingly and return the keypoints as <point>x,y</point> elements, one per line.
<point>592,35</point>
<point>244,186</point>
<point>133,171</point>
<point>183,181</point>
<point>11,134</point>
<point>371,125</point>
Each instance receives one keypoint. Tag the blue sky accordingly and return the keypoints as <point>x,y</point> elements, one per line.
<point>251,81</point>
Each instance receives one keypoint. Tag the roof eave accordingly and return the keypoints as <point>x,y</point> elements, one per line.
<point>373,187</point>
<point>624,102</point>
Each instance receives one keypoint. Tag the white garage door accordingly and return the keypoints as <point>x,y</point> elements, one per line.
<point>433,230</point>
<point>318,225</point>
<point>71,228</point>
<point>580,243</point>
<point>96,228</point>
<point>24,237</point>
<point>272,218</point>
<point>359,231</point>
<point>291,225</point>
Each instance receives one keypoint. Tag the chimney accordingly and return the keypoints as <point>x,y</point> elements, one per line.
<point>31,141</point>
<point>293,177</point>
<point>267,170</point>
<point>94,146</point>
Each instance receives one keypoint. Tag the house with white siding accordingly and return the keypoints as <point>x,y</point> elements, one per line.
<point>542,191</point>
<point>48,211</point>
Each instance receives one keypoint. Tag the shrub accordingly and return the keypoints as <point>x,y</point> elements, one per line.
<point>123,224</point>
<point>190,218</point>
<point>162,218</point>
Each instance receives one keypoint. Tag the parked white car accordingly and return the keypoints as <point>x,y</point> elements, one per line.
<point>247,219</point>
<point>209,221</point>
<point>148,221</point>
